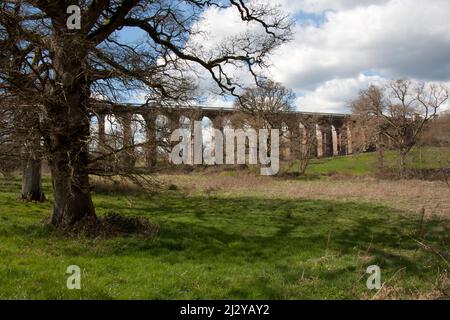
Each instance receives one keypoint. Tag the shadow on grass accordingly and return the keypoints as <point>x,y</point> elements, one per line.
<point>249,230</point>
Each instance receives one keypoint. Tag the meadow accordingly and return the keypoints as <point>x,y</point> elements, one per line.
<point>234,235</point>
<point>425,158</point>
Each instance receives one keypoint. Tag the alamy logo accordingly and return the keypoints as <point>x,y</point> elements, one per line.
<point>374,280</point>
<point>74,20</point>
<point>74,280</point>
<point>192,151</point>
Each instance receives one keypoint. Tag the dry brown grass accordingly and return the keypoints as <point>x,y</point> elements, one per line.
<point>392,290</point>
<point>406,195</point>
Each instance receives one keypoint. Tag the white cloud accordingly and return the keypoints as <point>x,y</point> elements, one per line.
<point>326,62</point>
<point>335,96</point>
<point>319,6</point>
<point>403,38</point>
<point>218,102</point>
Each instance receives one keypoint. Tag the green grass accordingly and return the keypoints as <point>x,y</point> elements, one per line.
<point>211,248</point>
<point>352,165</point>
<point>366,163</point>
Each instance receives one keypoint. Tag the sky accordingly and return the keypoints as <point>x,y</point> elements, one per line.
<point>342,46</point>
<point>356,43</point>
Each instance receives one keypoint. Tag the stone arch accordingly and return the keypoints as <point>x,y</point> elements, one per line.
<point>139,138</point>
<point>112,131</point>
<point>209,139</point>
<point>286,128</point>
<point>164,126</point>
<point>96,130</point>
<point>127,153</point>
<point>150,143</point>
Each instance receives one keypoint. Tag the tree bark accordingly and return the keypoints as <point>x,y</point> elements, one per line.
<point>71,189</point>
<point>68,161</point>
<point>68,134</point>
<point>31,180</point>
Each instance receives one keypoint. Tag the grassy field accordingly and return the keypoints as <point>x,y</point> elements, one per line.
<point>229,245</point>
<point>366,163</point>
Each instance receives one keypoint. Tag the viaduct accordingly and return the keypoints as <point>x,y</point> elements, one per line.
<point>332,133</point>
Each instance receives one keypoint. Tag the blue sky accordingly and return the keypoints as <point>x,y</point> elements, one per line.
<point>131,34</point>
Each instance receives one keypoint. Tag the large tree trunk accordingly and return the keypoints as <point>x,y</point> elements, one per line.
<point>71,189</point>
<point>68,161</point>
<point>31,180</point>
<point>68,135</point>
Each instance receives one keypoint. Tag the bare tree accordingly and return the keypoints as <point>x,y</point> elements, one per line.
<point>368,126</point>
<point>437,132</point>
<point>266,100</point>
<point>265,107</point>
<point>56,69</point>
<point>31,158</point>
<point>306,145</point>
<point>10,145</point>
<point>399,113</point>
<point>20,144</point>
